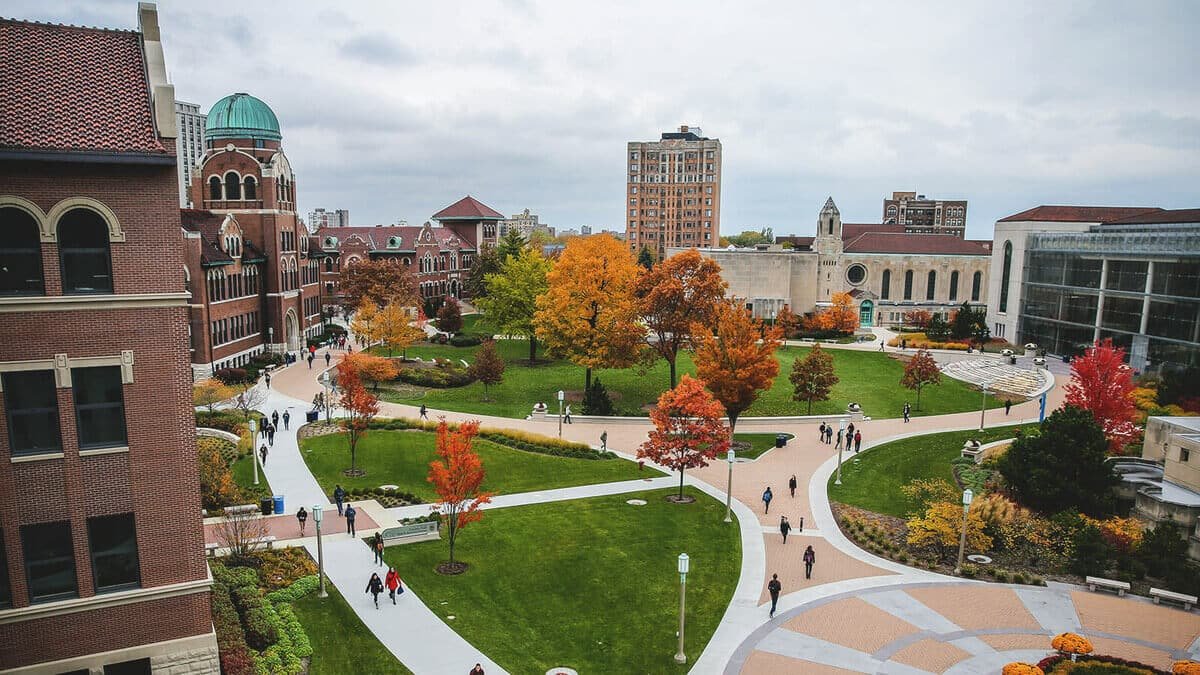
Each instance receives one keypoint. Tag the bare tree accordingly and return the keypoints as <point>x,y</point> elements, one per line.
<point>242,531</point>
<point>250,399</point>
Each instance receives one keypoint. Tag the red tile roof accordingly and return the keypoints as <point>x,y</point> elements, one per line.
<point>1161,216</point>
<point>468,208</point>
<point>915,244</point>
<point>853,230</point>
<point>208,225</point>
<point>1078,214</point>
<point>73,89</point>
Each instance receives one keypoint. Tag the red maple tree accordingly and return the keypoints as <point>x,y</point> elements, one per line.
<point>737,362</point>
<point>921,370</point>
<point>360,405</point>
<point>1101,383</point>
<point>687,429</point>
<point>456,478</point>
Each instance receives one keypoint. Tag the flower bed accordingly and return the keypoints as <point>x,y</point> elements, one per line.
<point>444,374</point>
<point>1060,664</point>
<point>386,498</point>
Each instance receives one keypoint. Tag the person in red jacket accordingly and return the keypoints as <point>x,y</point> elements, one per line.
<point>392,581</point>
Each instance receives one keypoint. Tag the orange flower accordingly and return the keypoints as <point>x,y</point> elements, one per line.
<point>1186,668</point>
<point>1021,669</point>
<point>1071,643</point>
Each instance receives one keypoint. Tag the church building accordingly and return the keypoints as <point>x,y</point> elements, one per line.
<point>887,271</point>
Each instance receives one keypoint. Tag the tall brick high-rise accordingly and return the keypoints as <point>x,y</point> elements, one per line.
<point>101,551</point>
<point>673,195</point>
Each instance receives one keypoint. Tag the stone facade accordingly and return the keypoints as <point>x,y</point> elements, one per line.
<point>1174,443</point>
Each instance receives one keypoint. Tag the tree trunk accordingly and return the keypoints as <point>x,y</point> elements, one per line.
<point>532,349</point>
<point>732,421</point>
<point>918,398</point>
<point>671,360</point>
<point>810,406</point>
<point>352,457</point>
<point>681,483</point>
<point>587,381</point>
<point>451,521</point>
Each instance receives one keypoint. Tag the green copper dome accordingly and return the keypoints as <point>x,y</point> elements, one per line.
<point>241,116</point>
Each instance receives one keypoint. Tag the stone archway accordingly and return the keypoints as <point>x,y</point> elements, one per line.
<point>291,331</point>
<point>866,313</point>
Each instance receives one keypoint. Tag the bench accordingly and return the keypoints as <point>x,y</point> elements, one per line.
<point>269,541</point>
<point>1109,584</point>
<point>242,509</point>
<point>211,549</point>
<point>1182,598</point>
<point>411,532</point>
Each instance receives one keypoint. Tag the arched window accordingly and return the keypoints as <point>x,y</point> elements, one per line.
<point>908,276</point>
<point>1005,273</point>
<point>953,285</point>
<point>233,187</point>
<point>931,285</point>
<point>214,188</point>
<point>976,282</point>
<point>885,288</point>
<point>329,264</point>
<point>20,254</point>
<point>251,188</point>
<point>83,253</point>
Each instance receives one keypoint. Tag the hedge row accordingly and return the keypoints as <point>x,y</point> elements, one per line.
<point>236,656</point>
<point>437,378</point>
<point>517,440</point>
<point>266,624</point>
<point>354,494</point>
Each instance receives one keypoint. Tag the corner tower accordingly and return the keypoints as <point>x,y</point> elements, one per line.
<point>828,246</point>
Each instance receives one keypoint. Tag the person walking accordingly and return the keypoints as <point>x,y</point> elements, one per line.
<point>829,435</point>
<point>849,434</point>
<point>327,357</point>
<point>392,581</point>
<point>477,670</point>
<point>339,496</point>
<point>774,587</point>
<point>377,547</point>
<point>275,418</point>
<point>1007,406</point>
<point>784,527</point>
<point>567,416</point>
<point>262,453</point>
<point>424,412</point>
<point>903,344</point>
<point>271,435</point>
<point>310,360</point>
<point>375,587</point>
<point>767,497</point>
<point>907,412</point>
<point>857,441</point>
<point>839,438</point>
<point>792,485</point>
<point>287,417</point>
<point>881,345</point>
<point>302,516</point>
<point>603,441</point>
<point>267,379</point>
<point>350,513</point>
<point>810,557</point>
<point>821,436</point>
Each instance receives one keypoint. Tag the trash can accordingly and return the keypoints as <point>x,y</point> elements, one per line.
<point>780,440</point>
<point>278,504</point>
<point>311,416</point>
<point>1012,360</point>
<point>266,505</point>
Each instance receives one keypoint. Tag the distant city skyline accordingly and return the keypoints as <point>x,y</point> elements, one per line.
<point>1039,104</point>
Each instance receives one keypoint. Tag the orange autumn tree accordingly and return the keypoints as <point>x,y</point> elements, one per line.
<point>393,326</point>
<point>738,361</point>
<point>687,429</point>
<point>456,478</point>
<point>589,314</point>
<point>373,369</point>
<point>787,321</point>
<point>674,295</point>
<point>361,407</point>
<point>1102,384</point>
<point>920,370</point>
<point>840,316</point>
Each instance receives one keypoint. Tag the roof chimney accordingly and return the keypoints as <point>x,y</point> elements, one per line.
<point>683,128</point>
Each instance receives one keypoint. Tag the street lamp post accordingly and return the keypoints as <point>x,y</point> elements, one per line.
<point>680,657</point>
<point>982,406</point>
<point>841,431</point>
<point>729,489</point>
<point>253,452</point>
<point>962,542</point>
<point>562,396</point>
<point>316,511</point>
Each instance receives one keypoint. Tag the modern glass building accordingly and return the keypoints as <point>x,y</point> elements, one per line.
<point>1136,281</point>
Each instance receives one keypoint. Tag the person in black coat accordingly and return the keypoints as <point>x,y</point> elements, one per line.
<point>792,485</point>
<point>375,587</point>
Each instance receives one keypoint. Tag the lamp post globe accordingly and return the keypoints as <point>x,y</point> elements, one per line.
<point>562,396</point>
<point>683,564</point>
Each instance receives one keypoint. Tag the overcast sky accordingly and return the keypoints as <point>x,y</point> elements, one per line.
<point>394,110</point>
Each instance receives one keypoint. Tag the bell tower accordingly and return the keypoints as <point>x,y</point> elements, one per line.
<point>828,246</point>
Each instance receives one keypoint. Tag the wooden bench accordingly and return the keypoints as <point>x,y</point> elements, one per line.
<point>1108,584</point>
<point>1182,598</point>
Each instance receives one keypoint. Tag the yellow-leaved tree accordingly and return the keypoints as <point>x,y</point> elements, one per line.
<point>589,314</point>
<point>394,327</point>
<point>364,324</point>
<point>941,527</point>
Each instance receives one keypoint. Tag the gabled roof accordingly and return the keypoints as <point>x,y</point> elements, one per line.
<point>1078,214</point>
<point>75,90</point>
<point>208,225</point>
<point>853,230</point>
<point>468,208</point>
<point>915,244</point>
<point>1160,216</point>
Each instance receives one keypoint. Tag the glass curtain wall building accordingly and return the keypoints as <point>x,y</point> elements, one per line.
<point>1136,283</point>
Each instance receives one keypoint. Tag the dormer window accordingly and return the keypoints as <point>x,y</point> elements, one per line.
<point>331,242</point>
<point>393,242</point>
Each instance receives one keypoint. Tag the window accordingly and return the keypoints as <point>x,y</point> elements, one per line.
<point>20,254</point>
<point>233,186</point>
<point>140,666</point>
<point>5,586</point>
<point>83,253</point>
<point>214,188</point>
<point>1184,455</point>
<point>251,188</point>
<point>908,276</point>
<point>113,544</point>
<point>976,282</point>
<point>931,285</point>
<point>885,287</point>
<point>32,404</point>
<point>1005,272</point>
<point>856,274</point>
<point>49,561</point>
<point>953,285</point>
<point>99,406</point>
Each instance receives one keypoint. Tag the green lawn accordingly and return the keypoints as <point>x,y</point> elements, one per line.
<point>402,458</point>
<point>872,479</point>
<point>243,475</point>
<point>759,443</point>
<point>869,378</point>
<point>589,584</point>
<point>340,641</point>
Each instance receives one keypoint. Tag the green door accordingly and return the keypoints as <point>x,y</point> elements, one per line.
<point>866,314</point>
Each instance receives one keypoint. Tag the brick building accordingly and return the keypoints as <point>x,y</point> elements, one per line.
<point>440,256</point>
<point>101,554</point>
<point>673,195</point>
<point>920,215</point>
<point>253,285</point>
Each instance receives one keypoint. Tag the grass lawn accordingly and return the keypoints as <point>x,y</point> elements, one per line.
<point>243,475</point>
<point>588,584</point>
<point>871,379</point>
<point>402,458</point>
<point>872,480</point>
<point>759,443</point>
<point>341,643</point>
